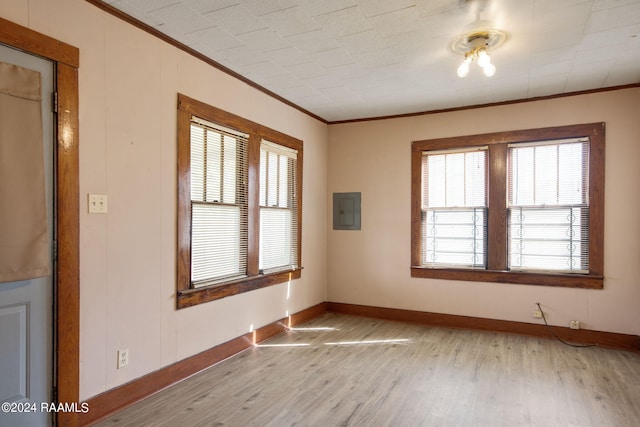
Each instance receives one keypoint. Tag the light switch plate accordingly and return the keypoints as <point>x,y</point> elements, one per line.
<point>98,203</point>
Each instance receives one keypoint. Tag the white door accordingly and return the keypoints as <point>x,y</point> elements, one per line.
<point>26,316</point>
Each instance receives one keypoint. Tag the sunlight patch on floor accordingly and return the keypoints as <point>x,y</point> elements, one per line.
<point>284,345</point>
<point>367,342</point>
<point>317,329</point>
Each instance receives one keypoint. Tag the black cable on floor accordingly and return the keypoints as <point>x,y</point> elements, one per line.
<point>557,337</point>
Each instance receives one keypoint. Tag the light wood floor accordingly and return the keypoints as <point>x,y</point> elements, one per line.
<point>340,370</point>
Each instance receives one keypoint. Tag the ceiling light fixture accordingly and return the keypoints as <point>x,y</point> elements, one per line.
<point>475,45</point>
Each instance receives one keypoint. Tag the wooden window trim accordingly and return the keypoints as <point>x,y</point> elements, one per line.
<point>186,295</point>
<point>497,201</point>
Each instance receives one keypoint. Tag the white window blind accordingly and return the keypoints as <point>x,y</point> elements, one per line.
<point>549,206</point>
<point>218,204</point>
<point>278,208</point>
<point>454,208</point>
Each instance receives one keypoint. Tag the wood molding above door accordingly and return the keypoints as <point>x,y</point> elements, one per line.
<point>67,292</point>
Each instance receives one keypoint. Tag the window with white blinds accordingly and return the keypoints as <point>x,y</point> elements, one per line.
<point>548,186</point>
<point>218,203</point>
<point>454,225</point>
<point>518,207</point>
<point>239,204</point>
<point>278,207</point>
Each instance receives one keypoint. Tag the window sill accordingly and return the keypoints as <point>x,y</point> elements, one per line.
<point>585,281</point>
<point>190,297</point>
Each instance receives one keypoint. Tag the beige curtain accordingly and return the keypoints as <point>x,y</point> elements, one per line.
<point>24,248</point>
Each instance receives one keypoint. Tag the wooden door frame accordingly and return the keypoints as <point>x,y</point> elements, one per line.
<point>67,280</point>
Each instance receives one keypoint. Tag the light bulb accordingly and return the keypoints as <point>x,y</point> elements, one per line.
<point>463,69</point>
<point>483,58</point>
<point>489,70</point>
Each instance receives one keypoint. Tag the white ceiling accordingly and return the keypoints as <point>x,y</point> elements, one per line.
<point>349,59</point>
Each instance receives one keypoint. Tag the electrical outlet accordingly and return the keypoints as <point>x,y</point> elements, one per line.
<point>574,324</point>
<point>537,314</point>
<point>123,358</point>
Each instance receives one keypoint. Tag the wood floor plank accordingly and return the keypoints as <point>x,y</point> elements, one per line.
<point>341,370</point>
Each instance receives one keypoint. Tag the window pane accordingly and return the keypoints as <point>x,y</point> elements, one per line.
<point>475,177</point>
<point>435,179</point>
<point>455,179</point>
<point>454,211</point>
<point>278,213</point>
<point>549,239</point>
<point>218,205</point>
<point>548,174</point>
<point>572,169</point>
<point>548,215</point>
<point>197,163</point>
<point>522,173</point>
<point>455,237</point>
<point>275,238</point>
<point>216,242</point>
<point>283,181</point>
<point>229,176</point>
<point>213,166</point>
<point>272,179</point>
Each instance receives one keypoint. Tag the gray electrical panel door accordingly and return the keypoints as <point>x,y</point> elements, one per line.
<point>346,211</point>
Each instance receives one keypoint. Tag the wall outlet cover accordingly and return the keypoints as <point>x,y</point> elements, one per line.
<point>574,324</point>
<point>123,358</point>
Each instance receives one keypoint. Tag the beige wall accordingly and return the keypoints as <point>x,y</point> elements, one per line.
<point>128,83</point>
<point>371,267</point>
